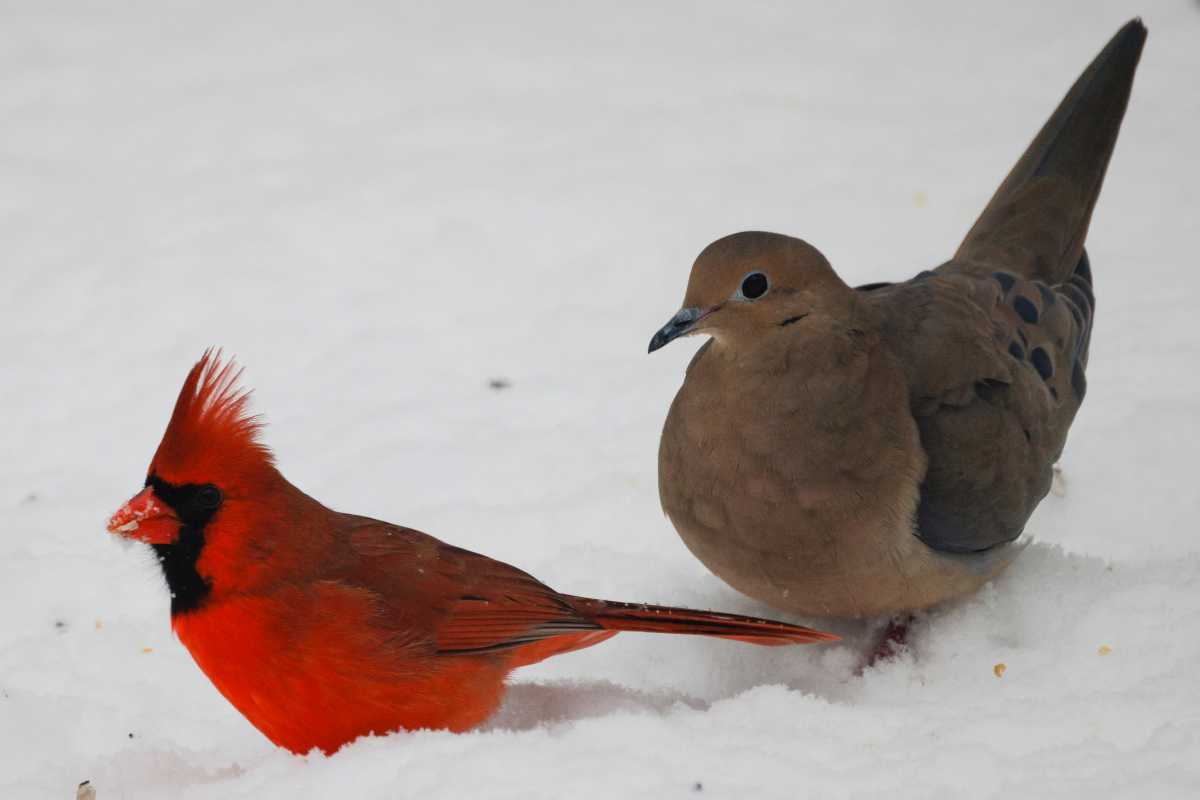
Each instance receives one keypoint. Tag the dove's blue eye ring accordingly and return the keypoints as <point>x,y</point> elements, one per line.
<point>754,286</point>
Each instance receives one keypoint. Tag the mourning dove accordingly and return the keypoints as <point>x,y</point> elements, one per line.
<point>876,450</point>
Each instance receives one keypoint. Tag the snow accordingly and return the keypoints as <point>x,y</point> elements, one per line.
<point>439,236</point>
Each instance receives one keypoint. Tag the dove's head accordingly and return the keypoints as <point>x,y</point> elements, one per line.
<point>744,286</point>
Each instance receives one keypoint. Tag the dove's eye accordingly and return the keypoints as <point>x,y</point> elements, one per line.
<point>754,286</point>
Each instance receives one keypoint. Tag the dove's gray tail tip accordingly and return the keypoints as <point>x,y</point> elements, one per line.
<point>1053,188</point>
<point>1078,139</point>
<point>1131,33</point>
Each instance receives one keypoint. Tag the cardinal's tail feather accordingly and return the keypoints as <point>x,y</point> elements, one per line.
<point>614,616</point>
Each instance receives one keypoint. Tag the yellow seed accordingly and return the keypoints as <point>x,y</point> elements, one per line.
<point>999,670</point>
<point>1104,650</point>
<point>147,649</point>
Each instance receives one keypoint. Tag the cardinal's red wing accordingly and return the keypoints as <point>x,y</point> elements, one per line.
<point>460,601</point>
<point>465,603</point>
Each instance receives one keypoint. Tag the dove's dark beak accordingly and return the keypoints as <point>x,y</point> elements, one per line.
<point>683,323</point>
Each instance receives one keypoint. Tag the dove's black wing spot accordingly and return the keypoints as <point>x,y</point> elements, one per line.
<point>1041,362</point>
<point>1025,309</point>
<point>1016,351</point>
<point>1005,280</point>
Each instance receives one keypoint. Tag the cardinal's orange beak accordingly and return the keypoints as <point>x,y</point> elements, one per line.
<point>146,519</point>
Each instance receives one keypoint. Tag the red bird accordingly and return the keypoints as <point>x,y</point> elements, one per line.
<point>321,627</point>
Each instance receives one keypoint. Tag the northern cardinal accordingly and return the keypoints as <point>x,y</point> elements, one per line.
<point>320,626</point>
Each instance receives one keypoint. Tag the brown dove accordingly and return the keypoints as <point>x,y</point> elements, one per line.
<point>855,452</point>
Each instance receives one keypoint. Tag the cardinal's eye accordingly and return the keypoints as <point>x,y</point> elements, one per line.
<point>209,496</point>
<point>754,286</point>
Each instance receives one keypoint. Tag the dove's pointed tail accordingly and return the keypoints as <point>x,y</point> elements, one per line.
<point>1038,219</point>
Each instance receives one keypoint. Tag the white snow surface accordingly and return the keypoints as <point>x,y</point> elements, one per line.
<point>381,207</point>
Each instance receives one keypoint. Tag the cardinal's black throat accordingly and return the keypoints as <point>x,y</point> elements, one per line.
<point>195,504</point>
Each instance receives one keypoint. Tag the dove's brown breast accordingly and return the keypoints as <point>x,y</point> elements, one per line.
<point>794,477</point>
